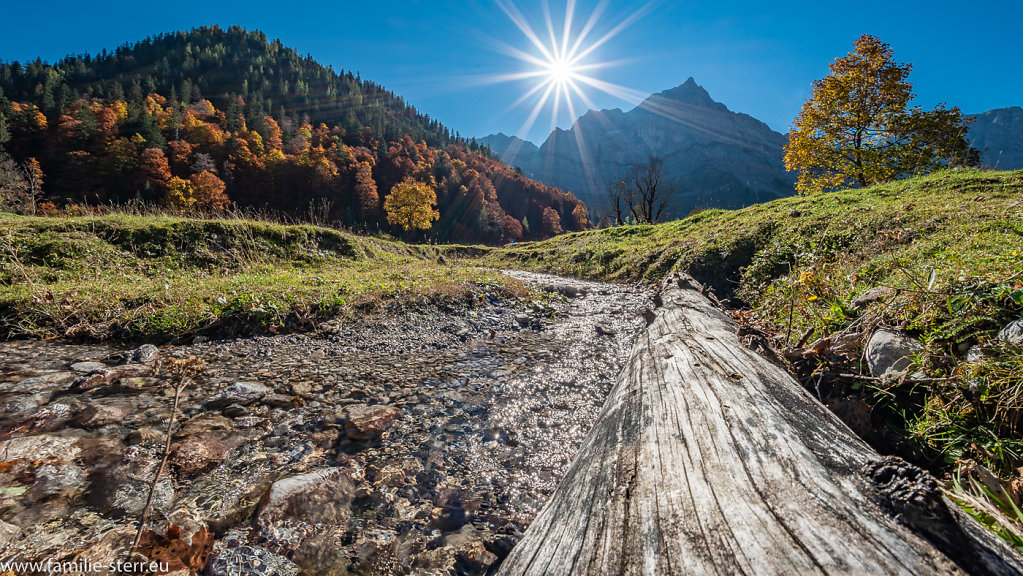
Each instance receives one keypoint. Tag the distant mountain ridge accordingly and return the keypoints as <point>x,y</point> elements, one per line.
<point>998,135</point>
<point>718,158</point>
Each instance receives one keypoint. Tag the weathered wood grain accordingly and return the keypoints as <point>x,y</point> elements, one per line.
<point>708,459</point>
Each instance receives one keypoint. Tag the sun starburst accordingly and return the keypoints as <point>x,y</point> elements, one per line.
<point>562,63</point>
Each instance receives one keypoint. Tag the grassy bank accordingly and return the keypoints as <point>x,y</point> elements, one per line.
<point>162,278</point>
<point>945,253</point>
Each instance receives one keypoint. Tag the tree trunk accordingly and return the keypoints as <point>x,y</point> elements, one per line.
<point>708,459</point>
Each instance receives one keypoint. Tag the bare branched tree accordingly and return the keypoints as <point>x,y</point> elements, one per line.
<point>619,199</point>
<point>643,196</point>
<point>19,184</point>
<point>650,190</point>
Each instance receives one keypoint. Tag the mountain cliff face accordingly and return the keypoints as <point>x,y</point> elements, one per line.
<point>716,157</point>
<point>998,135</point>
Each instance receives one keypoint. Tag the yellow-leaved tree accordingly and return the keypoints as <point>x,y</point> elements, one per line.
<point>857,128</point>
<point>411,204</point>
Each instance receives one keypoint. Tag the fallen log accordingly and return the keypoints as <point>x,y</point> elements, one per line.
<point>708,459</point>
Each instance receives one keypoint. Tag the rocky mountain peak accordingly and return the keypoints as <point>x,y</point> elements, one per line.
<point>689,93</point>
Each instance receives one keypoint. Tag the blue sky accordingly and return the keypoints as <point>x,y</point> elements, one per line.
<point>756,57</point>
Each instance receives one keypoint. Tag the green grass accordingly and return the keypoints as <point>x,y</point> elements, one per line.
<point>949,245</point>
<point>164,278</point>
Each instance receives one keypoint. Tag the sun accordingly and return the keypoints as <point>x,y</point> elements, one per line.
<point>561,60</point>
<point>561,71</point>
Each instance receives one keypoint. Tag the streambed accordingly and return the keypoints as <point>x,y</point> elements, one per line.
<point>420,443</point>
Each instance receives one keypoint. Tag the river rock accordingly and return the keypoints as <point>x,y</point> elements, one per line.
<point>8,532</point>
<point>121,488</point>
<point>41,467</point>
<point>57,479</point>
<point>88,367</point>
<point>447,518</point>
<point>249,561</point>
<point>501,545</point>
<point>48,418</point>
<point>309,514</point>
<point>1012,333</point>
<point>205,422</point>
<point>321,497</point>
<point>195,454</point>
<point>473,559</point>
<point>101,412</point>
<point>41,447</point>
<point>278,400</point>
<point>20,404</point>
<point>241,393</point>
<point>53,381</point>
<point>235,411</point>
<point>145,354</point>
<point>890,352</point>
<point>145,435</point>
<point>364,422</point>
<point>113,374</point>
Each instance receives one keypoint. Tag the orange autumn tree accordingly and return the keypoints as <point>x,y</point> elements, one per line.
<point>411,205</point>
<point>551,222</point>
<point>154,171</point>
<point>857,128</point>
<point>208,191</point>
<point>203,191</point>
<point>366,191</point>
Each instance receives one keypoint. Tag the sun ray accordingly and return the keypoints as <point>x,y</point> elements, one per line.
<point>520,21</point>
<point>535,113</point>
<point>530,93</point>
<point>550,30</point>
<point>616,30</point>
<point>591,22</point>
<point>567,32</point>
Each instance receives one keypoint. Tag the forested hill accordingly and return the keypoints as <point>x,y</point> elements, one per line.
<point>213,117</point>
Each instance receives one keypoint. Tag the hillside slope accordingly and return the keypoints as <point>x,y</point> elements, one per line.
<point>167,278</point>
<point>213,118</point>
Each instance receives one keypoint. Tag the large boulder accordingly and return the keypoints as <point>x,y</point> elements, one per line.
<point>891,353</point>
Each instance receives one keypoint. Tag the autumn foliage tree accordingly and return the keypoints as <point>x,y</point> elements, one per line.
<point>858,128</point>
<point>202,191</point>
<point>411,205</point>
<point>551,222</point>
